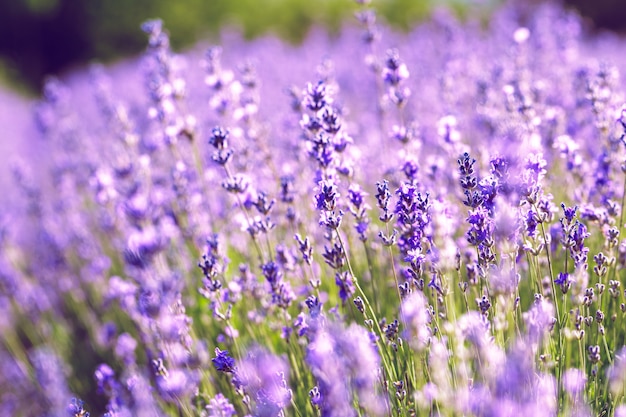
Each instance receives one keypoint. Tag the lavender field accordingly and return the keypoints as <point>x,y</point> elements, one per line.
<point>375,224</point>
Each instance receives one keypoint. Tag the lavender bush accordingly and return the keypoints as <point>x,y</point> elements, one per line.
<point>381,224</point>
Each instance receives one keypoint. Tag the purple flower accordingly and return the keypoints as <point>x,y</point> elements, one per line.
<point>335,256</point>
<point>617,373</point>
<point>223,362</point>
<point>237,184</point>
<point>405,134</point>
<point>383,195</point>
<point>574,381</point>
<point>120,289</point>
<point>536,166</point>
<point>480,226</point>
<point>331,123</point>
<point>219,138</point>
<point>125,348</point>
<point>330,219</point>
<point>416,313</point>
<point>271,272</point>
<point>300,324</point>
<point>327,197</point>
<point>410,169</point>
<point>305,248</point>
<point>593,354</point>
<point>416,258</point>
<point>154,29</point>
<point>466,169</point>
<point>504,280</point>
<point>316,397</point>
<point>540,319</point>
<point>395,70</point>
<point>219,406</point>
<point>76,409</point>
<point>262,376</point>
<point>574,242</point>
<point>564,281</point>
<point>50,374</point>
<point>282,294</point>
<point>344,361</point>
<point>345,284</point>
<point>500,167</point>
<point>176,385</point>
<point>569,213</point>
<point>517,387</point>
<point>531,223</point>
<point>105,378</point>
<point>412,213</point>
<point>151,302</point>
<point>314,305</point>
<point>316,97</point>
<point>356,197</point>
<point>142,246</point>
<point>286,189</point>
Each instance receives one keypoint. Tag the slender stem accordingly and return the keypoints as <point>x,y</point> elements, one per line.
<point>559,325</point>
<point>295,407</point>
<point>370,267</point>
<point>606,347</point>
<point>367,304</point>
<point>556,304</point>
<point>621,212</point>
<point>393,268</point>
<point>247,216</point>
<point>619,228</point>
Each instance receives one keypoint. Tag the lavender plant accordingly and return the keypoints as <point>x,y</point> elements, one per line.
<point>379,224</point>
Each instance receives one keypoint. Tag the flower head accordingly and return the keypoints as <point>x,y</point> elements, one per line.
<point>223,362</point>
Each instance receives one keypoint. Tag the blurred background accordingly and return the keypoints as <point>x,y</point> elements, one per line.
<point>43,37</point>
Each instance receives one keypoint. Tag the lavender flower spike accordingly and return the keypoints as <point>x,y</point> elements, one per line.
<point>223,362</point>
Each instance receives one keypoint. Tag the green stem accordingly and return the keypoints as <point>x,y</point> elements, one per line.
<point>371,311</point>
<point>247,216</point>
<point>370,268</point>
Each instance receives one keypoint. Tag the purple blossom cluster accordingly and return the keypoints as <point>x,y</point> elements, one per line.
<point>426,223</point>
